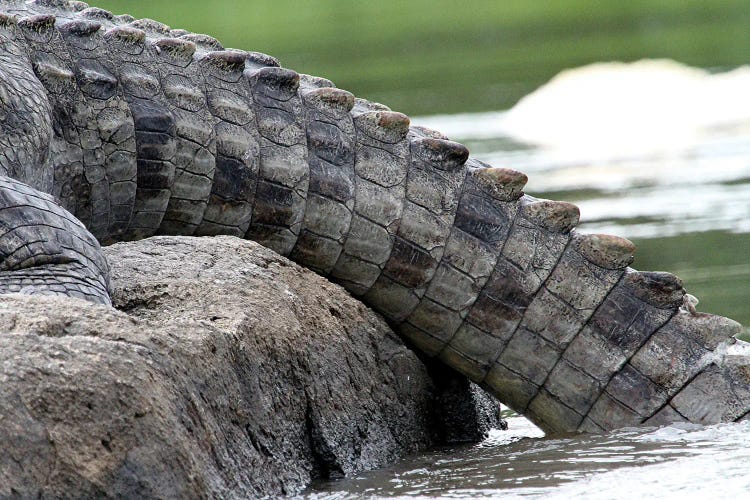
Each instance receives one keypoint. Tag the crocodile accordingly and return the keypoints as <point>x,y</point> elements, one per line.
<point>116,128</point>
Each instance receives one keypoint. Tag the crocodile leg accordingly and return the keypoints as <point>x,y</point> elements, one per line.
<point>26,113</point>
<point>43,248</point>
<point>154,130</point>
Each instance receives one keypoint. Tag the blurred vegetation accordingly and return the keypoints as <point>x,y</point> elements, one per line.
<point>438,56</point>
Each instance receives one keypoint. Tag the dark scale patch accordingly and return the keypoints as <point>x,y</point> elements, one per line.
<point>73,190</point>
<point>328,143</point>
<point>317,252</point>
<point>63,124</point>
<point>627,322</point>
<point>331,181</point>
<point>493,315</point>
<point>284,158</point>
<point>233,180</point>
<point>95,80</point>
<point>229,101</point>
<point>154,145</point>
<point>331,189</point>
<point>274,204</point>
<point>409,265</point>
<point>331,161</point>
<point>482,218</point>
<point>528,256</point>
<point>149,116</point>
<point>636,391</point>
<point>262,232</point>
<point>433,189</point>
<point>154,174</point>
<point>508,286</point>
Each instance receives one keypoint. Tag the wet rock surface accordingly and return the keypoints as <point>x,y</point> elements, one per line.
<point>227,371</point>
<point>466,413</point>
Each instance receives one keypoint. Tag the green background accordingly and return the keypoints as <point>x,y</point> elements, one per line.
<point>441,56</point>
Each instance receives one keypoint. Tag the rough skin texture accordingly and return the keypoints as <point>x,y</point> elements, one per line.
<point>139,129</point>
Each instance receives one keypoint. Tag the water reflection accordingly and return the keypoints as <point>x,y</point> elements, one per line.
<point>619,110</point>
<point>630,463</point>
<point>678,184</point>
<point>634,166</point>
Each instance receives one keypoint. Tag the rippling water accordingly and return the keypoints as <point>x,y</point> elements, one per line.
<point>654,151</point>
<point>688,461</point>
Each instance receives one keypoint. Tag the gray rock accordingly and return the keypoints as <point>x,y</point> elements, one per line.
<point>229,372</point>
<point>466,412</point>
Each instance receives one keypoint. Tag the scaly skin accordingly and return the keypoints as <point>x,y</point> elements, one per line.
<point>138,130</point>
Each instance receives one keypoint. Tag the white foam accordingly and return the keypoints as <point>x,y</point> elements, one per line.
<point>614,109</point>
<point>664,148</point>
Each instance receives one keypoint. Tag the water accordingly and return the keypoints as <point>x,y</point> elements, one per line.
<point>685,461</point>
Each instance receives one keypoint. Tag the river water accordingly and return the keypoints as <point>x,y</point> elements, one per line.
<point>685,461</point>
<point>654,151</point>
